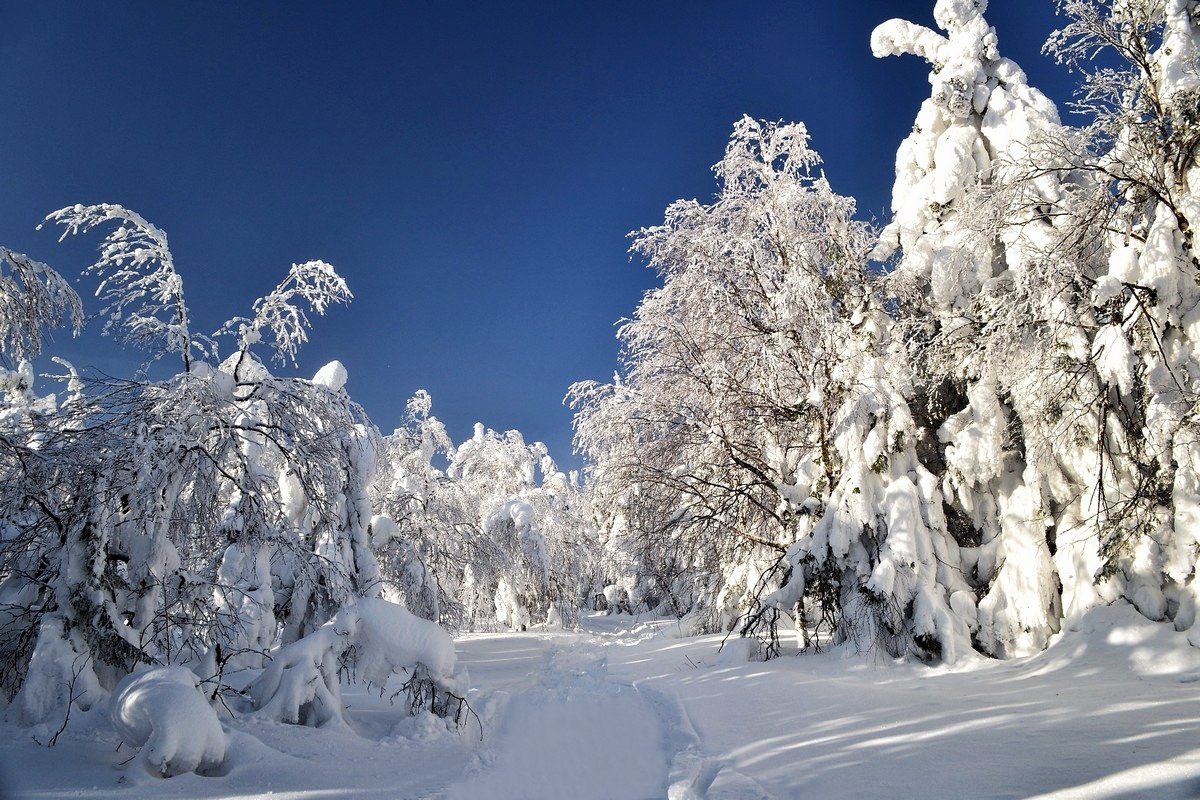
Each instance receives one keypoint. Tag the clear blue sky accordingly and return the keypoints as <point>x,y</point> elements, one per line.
<point>470,168</point>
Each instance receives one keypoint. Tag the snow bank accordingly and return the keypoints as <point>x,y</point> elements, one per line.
<point>162,711</point>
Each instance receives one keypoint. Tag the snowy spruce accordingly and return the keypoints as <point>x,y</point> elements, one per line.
<point>951,440</point>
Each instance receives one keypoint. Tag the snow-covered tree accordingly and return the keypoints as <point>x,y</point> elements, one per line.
<point>488,532</point>
<point>987,310</point>
<point>203,520</point>
<point>33,298</point>
<point>528,546</point>
<point>314,282</point>
<point>759,437</point>
<point>141,289</point>
<point>423,542</point>
<point>1058,339</point>
<point>1140,68</point>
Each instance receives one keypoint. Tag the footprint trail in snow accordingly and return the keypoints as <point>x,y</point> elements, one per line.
<point>564,729</point>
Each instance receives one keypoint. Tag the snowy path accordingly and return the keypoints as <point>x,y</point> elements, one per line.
<point>625,712</point>
<point>565,729</point>
<point>573,729</point>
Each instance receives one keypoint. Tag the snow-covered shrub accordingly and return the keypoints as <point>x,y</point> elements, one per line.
<point>170,540</point>
<point>379,639</point>
<point>59,672</point>
<point>163,712</point>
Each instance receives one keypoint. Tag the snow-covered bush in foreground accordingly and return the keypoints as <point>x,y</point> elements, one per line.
<point>196,525</point>
<point>374,638</point>
<point>162,711</point>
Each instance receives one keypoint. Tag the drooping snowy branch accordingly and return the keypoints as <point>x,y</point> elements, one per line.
<point>33,298</point>
<point>141,289</point>
<point>301,683</point>
<point>278,315</point>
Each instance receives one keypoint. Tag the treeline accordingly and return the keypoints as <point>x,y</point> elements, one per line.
<point>225,519</point>
<point>956,432</point>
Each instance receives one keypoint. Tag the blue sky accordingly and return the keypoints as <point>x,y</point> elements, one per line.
<point>471,169</point>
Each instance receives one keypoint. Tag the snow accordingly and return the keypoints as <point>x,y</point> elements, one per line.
<point>332,376</point>
<point>163,712</point>
<point>57,675</point>
<point>1049,522</point>
<point>621,709</point>
<point>1115,359</point>
<point>378,639</point>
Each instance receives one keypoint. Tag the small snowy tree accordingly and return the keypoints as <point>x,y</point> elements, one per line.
<point>316,283</point>
<point>424,541</point>
<point>529,534</point>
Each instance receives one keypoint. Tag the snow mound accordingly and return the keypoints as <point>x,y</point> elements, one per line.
<point>332,376</point>
<point>162,711</point>
<point>400,639</point>
<point>1119,634</point>
<point>383,530</point>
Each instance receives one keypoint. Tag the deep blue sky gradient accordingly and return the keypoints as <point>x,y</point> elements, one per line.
<point>472,169</point>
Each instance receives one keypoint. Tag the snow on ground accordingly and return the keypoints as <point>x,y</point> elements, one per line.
<point>623,710</point>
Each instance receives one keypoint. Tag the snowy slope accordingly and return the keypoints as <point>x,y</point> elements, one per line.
<point>625,710</point>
